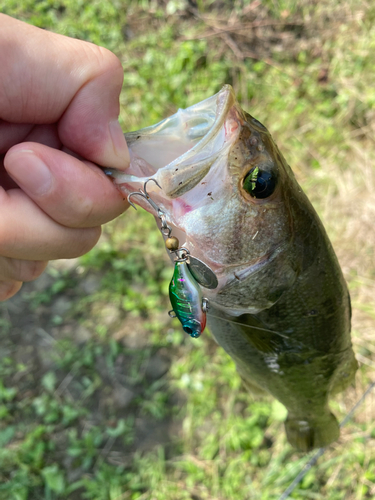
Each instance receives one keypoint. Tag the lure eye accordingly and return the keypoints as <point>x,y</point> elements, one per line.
<point>259,183</point>
<point>193,328</point>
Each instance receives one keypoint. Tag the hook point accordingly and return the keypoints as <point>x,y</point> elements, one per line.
<point>145,184</point>
<point>130,202</point>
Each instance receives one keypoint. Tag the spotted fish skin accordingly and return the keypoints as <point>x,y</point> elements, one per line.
<point>281,309</point>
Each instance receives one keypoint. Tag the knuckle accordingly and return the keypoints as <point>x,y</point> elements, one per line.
<point>19,270</point>
<point>111,61</point>
<point>32,270</point>
<point>87,239</point>
<point>83,216</point>
<point>79,217</point>
<point>8,289</point>
<point>105,59</point>
<point>92,237</point>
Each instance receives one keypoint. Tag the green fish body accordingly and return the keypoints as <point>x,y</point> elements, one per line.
<point>281,308</point>
<point>299,350</point>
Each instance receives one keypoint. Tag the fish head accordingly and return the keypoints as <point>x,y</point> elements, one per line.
<point>227,194</point>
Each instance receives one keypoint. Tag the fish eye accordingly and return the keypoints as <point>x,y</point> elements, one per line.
<point>259,183</point>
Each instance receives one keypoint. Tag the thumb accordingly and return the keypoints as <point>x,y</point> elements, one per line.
<point>56,79</point>
<point>90,124</point>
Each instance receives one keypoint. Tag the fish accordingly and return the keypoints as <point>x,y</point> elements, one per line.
<point>279,306</point>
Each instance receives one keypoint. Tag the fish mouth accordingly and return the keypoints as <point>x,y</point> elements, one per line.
<point>196,159</point>
<point>180,151</point>
<point>186,155</point>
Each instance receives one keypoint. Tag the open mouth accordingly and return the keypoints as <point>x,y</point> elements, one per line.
<point>179,151</point>
<point>186,157</point>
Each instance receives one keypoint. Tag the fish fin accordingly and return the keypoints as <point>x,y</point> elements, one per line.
<point>305,435</point>
<point>249,383</point>
<point>345,375</point>
<point>252,386</point>
<point>264,342</point>
<point>259,336</point>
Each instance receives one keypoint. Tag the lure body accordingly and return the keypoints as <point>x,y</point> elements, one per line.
<point>186,299</point>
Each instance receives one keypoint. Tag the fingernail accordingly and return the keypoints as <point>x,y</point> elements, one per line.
<point>119,143</point>
<point>29,172</point>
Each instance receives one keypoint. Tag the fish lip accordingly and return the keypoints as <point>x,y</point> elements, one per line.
<point>176,184</point>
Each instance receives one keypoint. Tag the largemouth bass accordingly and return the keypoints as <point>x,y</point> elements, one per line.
<point>280,306</point>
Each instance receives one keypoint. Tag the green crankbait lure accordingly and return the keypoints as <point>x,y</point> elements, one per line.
<point>187,301</point>
<point>185,294</point>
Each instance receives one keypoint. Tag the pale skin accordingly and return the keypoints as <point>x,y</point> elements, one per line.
<point>59,104</point>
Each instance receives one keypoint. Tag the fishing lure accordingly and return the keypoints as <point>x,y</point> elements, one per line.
<point>185,294</point>
<point>187,300</point>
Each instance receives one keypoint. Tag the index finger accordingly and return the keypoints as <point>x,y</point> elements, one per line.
<point>53,78</point>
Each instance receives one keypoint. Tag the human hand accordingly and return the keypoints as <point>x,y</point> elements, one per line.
<point>59,103</point>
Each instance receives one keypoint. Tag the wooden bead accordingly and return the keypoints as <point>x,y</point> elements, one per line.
<point>172,243</point>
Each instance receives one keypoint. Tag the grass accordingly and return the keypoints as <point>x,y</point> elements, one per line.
<point>101,395</point>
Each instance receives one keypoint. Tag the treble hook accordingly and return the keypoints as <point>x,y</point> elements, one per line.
<point>146,196</point>
<point>165,229</point>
